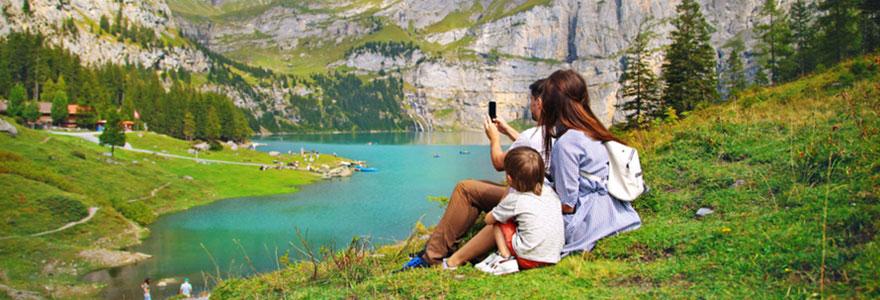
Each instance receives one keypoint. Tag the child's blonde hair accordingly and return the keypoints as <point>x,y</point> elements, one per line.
<point>526,167</point>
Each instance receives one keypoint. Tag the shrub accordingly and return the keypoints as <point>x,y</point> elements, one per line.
<point>846,79</point>
<point>215,145</point>
<point>858,67</point>
<point>65,208</point>
<point>78,154</point>
<point>136,211</point>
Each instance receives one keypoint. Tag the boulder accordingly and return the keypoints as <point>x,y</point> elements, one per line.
<point>704,211</point>
<point>187,177</point>
<point>274,153</point>
<point>8,128</point>
<point>233,147</point>
<point>191,151</point>
<point>202,147</point>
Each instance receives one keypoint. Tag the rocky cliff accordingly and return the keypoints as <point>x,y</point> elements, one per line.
<point>474,51</point>
<point>95,48</point>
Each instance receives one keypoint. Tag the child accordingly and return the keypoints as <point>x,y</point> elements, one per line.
<point>526,227</point>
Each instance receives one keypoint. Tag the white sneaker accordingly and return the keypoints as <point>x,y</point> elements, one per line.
<point>486,264</point>
<point>446,267</point>
<point>505,266</point>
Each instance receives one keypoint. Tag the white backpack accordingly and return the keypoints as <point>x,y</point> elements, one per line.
<point>625,181</point>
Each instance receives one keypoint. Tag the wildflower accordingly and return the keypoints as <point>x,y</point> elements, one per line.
<point>787,270</point>
<point>725,230</point>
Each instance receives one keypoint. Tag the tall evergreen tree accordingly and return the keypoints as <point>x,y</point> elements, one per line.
<point>48,90</point>
<point>59,110</point>
<point>803,34</point>
<point>189,126</point>
<point>735,77</point>
<point>32,111</point>
<point>26,7</point>
<point>638,80</point>
<point>840,38</point>
<point>212,125</point>
<point>15,106</point>
<point>775,40</point>
<point>113,134</point>
<point>689,70</point>
<point>105,24</point>
<point>869,25</point>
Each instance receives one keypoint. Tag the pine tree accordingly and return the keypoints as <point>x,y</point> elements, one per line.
<point>105,24</point>
<point>59,110</point>
<point>189,126</point>
<point>689,70</point>
<point>16,104</point>
<point>117,22</point>
<point>113,134</point>
<point>639,81</point>
<point>26,7</point>
<point>775,40</point>
<point>761,78</point>
<point>212,125</point>
<point>869,25</point>
<point>735,74</point>
<point>48,90</point>
<point>32,111</point>
<point>840,38</point>
<point>803,34</point>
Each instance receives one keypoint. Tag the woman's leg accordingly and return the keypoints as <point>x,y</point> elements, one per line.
<point>500,242</point>
<point>468,198</point>
<point>481,243</point>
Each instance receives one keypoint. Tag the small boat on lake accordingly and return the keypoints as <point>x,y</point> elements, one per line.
<point>365,169</point>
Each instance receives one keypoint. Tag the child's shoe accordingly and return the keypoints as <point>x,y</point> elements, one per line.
<point>486,264</point>
<point>505,266</point>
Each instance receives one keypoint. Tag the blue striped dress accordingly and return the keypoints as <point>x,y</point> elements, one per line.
<point>597,214</point>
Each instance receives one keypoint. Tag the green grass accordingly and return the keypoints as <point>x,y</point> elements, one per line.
<point>48,180</point>
<point>803,224</point>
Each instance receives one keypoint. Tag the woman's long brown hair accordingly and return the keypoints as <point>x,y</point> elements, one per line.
<point>567,103</point>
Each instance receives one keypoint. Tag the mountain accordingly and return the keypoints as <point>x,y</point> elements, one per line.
<point>469,52</point>
<point>301,65</point>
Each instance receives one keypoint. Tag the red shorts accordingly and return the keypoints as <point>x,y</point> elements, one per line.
<point>508,229</point>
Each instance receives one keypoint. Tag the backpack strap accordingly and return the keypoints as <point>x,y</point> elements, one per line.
<point>594,177</point>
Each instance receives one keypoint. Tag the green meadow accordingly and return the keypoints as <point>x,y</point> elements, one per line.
<point>791,173</point>
<point>48,180</point>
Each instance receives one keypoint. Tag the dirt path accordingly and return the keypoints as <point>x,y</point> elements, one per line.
<point>152,193</point>
<point>92,211</point>
<point>92,137</point>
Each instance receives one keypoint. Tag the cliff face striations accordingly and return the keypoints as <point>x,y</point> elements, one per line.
<point>463,53</point>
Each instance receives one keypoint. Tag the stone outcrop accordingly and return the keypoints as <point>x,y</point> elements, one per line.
<point>95,48</point>
<point>496,57</point>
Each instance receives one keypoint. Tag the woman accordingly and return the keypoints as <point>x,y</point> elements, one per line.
<point>589,212</point>
<point>146,287</point>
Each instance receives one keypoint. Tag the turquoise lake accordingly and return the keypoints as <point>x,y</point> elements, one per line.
<point>381,206</point>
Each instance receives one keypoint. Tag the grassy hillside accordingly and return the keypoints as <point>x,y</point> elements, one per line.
<point>48,180</point>
<point>792,173</point>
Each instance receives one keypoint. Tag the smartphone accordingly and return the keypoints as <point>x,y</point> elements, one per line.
<point>492,110</point>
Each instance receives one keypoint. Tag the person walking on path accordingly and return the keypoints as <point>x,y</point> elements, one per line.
<point>470,197</point>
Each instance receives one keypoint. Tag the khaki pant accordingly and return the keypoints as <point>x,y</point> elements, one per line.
<point>469,198</point>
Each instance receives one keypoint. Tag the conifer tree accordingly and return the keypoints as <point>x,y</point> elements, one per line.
<point>735,79</point>
<point>105,24</point>
<point>803,34</point>
<point>32,111</point>
<point>840,38</point>
<point>47,90</point>
<point>761,78</point>
<point>189,126</point>
<point>59,111</point>
<point>775,40</point>
<point>26,7</point>
<point>113,134</point>
<point>689,70</point>
<point>212,125</point>
<point>639,81</point>
<point>15,106</point>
